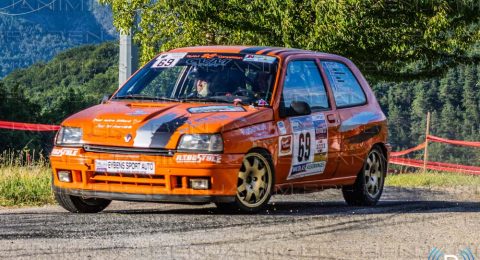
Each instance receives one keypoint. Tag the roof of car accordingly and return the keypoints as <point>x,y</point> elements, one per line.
<point>263,50</point>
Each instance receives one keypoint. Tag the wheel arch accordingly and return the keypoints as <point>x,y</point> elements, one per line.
<point>384,148</point>
<point>269,156</point>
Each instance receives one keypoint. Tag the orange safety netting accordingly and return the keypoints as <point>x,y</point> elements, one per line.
<point>404,152</point>
<point>438,166</point>
<point>455,142</point>
<point>28,127</point>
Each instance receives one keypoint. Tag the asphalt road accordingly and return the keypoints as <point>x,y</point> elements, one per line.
<point>406,224</point>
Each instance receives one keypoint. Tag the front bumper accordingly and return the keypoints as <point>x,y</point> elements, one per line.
<point>145,197</point>
<point>169,183</point>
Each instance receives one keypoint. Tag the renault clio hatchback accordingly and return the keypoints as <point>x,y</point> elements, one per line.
<point>229,125</point>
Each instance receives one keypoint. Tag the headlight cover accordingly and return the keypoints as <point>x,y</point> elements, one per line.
<point>201,142</point>
<point>69,136</point>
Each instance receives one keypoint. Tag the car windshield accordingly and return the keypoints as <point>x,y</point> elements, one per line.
<point>211,77</point>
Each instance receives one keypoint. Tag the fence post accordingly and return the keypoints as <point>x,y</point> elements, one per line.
<point>425,153</point>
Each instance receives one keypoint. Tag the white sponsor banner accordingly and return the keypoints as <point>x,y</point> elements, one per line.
<point>310,145</point>
<point>114,166</point>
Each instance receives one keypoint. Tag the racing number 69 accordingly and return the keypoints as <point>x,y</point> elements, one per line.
<point>304,147</point>
<point>165,62</point>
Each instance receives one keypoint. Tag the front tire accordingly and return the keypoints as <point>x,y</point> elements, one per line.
<point>77,204</point>
<point>254,186</point>
<point>368,187</point>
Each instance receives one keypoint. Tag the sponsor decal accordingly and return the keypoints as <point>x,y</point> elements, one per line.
<point>108,123</point>
<point>207,62</point>
<point>210,109</point>
<point>198,158</point>
<point>216,55</point>
<point>58,152</point>
<point>281,128</point>
<point>285,145</point>
<point>258,130</point>
<point>209,55</point>
<point>310,145</point>
<point>137,112</point>
<point>259,58</point>
<point>303,169</point>
<point>262,103</point>
<point>168,60</point>
<point>115,166</point>
<point>321,133</point>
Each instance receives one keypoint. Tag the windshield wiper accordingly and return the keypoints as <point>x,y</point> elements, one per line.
<point>145,97</point>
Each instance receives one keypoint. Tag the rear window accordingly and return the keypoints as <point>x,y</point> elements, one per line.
<point>346,89</point>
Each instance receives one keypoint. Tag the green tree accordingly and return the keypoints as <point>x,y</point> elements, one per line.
<point>471,116</point>
<point>50,92</point>
<point>381,34</point>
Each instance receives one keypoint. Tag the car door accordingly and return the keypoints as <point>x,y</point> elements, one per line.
<point>306,144</point>
<point>350,102</point>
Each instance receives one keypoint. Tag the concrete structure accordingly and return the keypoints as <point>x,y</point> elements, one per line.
<point>128,58</point>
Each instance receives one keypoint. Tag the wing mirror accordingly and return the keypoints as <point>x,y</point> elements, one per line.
<point>297,108</point>
<point>300,108</point>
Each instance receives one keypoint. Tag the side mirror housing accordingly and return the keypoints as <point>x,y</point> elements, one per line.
<point>300,108</point>
<point>297,108</point>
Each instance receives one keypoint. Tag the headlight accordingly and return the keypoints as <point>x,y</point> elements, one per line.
<point>201,142</point>
<point>69,135</point>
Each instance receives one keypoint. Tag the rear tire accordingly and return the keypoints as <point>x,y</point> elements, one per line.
<point>368,187</point>
<point>77,204</point>
<point>254,186</point>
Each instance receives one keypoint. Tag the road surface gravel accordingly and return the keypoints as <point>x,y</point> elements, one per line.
<point>406,224</point>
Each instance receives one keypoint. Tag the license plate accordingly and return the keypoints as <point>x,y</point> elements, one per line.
<point>115,166</point>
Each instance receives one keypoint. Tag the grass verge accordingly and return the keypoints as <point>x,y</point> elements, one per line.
<point>23,181</point>
<point>432,180</point>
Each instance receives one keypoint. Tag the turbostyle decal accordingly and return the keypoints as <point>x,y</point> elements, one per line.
<point>198,158</point>
<point>59,152</point>
<point>285,145</point>
<point>210,109</point>
<point>310,145</point>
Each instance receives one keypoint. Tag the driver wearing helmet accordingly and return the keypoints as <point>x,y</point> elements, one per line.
<point>202,83</point>
<point>202,86</point>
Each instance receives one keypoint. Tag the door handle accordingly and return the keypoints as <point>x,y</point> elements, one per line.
<point>332,118</point>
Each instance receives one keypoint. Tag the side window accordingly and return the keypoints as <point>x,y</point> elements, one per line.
<point>346,89</point>
<point>304,83</point>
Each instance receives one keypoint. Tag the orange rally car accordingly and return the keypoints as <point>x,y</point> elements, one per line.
<point>229,125</point>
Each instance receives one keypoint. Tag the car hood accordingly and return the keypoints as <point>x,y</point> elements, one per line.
<point>160,125</point>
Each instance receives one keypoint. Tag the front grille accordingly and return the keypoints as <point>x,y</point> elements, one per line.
<point>127,150</point>
<point>128,179</point>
